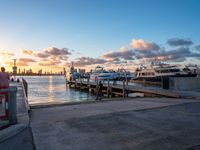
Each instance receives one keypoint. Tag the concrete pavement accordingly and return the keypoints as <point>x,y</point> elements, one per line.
<point>144,123</point>
<point>18,136</point>
<point>137,123</point>
<point>21,141</point>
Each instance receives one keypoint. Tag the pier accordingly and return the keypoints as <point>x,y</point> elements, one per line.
<point>100,75</point>
<point>124,88</point>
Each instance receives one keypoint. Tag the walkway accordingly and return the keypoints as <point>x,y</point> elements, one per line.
<point>141,123</point>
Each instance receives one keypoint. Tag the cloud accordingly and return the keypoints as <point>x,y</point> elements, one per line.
<point>151,51</point>
<point>66,64</point>
<point>51,56</point>
<point>179,42</point>
<point>60,57</point>
<point>85,61</point>
<point>53,51</point>
<point>144,46</point>
<point>178,55</point>
<point>22,64</point>
<point>27,52</point>
<point>126,54</point>
<point>123,48</point>
<point>28,60</point>
<point>117,61</point>
<point>56,51</point>
<point>181,53</point>
<point>49,63</point>
<point>25,61</point>
<point>138,49</point>
<point>41,55</point>
<point>6,53</point>
<point>197,47</point>
<point>148,51</point>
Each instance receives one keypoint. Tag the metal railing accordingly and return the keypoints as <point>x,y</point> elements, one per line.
<point>11,105</point>
<point>25,84</point>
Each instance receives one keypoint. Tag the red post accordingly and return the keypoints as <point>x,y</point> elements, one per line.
<point>4,97</point>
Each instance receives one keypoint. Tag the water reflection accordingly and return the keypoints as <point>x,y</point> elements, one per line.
<point>53,89</point>
<point>50,89</point>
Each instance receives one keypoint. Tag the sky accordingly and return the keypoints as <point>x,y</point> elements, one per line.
<point>112,33</point>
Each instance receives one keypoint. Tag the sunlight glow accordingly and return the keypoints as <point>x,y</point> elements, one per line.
<point>2,62</point>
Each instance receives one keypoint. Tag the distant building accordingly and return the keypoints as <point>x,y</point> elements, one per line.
<point>40,72</point>
<point>29,71</point>
<point>14,68</point>
<point>64,71</point>
<point>72,67</point>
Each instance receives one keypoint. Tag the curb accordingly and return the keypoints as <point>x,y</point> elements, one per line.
<point>38,106</point>
<point>11,131</point>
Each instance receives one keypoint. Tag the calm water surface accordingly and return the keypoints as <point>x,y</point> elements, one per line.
<point>53,89</point>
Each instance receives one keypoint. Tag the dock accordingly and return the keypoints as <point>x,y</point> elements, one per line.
<point>123,89</point>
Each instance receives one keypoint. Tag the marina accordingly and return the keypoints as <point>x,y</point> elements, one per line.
<point>100,75</point>
<point>46,109</point>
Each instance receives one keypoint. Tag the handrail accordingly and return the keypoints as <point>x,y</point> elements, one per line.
<point>25,84</point>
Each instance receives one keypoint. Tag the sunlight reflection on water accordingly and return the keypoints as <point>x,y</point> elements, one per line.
<point>53,89</point>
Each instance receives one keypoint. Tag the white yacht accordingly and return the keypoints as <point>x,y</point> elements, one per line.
<point>192,69</point>
<point>155,72</point>
<point>100,74</point>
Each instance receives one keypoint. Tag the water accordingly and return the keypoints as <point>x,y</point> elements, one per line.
<point>53,89</point>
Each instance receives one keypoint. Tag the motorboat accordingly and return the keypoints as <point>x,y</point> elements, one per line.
<point>72,76</point>
<point>101,74</point>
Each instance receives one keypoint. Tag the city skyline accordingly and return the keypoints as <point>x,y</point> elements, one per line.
<point>114,34</point>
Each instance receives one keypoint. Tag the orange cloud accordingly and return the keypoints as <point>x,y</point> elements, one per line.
<point>24,61</point>
<point>123,54</point>
<point>124,49</point>
<point>6,53</point>
<point>49,63</point>
<point>27,52</point>
<point>142,45</point>
<point>86,61</point>
<point>27,60</point>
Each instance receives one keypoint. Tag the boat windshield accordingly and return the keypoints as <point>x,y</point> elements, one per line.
<point>168,70</point>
